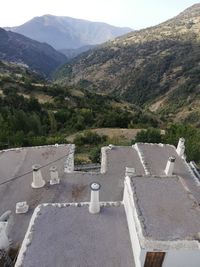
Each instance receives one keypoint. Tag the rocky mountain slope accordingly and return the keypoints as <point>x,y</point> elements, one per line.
<point>157,67</point>
<point>40,57</point>
<point>67,33</point>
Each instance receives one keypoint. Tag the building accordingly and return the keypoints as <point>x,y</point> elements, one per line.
<point>73,186</point>
<point>155,223</point>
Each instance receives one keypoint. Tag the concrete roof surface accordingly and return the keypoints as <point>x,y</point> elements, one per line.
<point>74,187</point>
<point>156,157</point>
<point>166,208</point>
<point>14,162</point>
<point>71,236</point>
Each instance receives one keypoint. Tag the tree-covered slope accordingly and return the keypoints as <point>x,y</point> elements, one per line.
<point>157,67</point>
<point>34,111</point>
<point>40,57</point>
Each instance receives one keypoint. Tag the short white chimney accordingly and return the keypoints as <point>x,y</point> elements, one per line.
<point>170,166</point>
<point>181,147</point>
<point>54,176</point>
<point>38,181</point>
<point>94,206</point>
<point>110,146</point>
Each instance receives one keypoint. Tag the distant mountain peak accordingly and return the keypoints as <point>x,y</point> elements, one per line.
<point>68,33</point>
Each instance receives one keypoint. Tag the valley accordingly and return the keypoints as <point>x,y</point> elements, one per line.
<point>35,111</point>
<point>144,79</point>
<point>155,67</point>
<point>99,133</point>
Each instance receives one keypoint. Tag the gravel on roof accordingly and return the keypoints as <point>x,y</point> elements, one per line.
<point>71,236</point>
<point>167,210</point>
<point>74,187</point>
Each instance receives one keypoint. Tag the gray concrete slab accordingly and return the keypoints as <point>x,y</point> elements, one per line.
<point>167,210</point>
<point>16,162</point>
<point>71,236</point>
<point>156,157</point>
<point>74,187</point>
<point>120,157</point>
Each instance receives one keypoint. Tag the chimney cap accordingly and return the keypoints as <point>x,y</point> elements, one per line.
<point>95,186</point>
<point>53,168</point>
<point>172,159</point>
<point>36,167</point>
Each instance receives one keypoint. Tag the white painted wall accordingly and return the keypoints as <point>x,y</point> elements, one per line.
<point>129,209</point>
<point>4,241</point>
<point>69,162</point>
<point>182,258</point>
<point>104,159</point>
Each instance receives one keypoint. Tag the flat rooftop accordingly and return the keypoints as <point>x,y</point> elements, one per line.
<point>74,187</point>
<point>166,208</point>
<point>64,235</point>
<point>155,157</point>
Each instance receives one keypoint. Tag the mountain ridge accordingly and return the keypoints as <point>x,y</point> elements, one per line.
<point>65,32</point>
<point>40,57</point>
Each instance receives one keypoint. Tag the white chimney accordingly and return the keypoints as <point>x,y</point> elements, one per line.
<point>170,166</point>
<point>38,181</point>
<point>94,206</point>
<point>54,176</point>
<point>181,147</point>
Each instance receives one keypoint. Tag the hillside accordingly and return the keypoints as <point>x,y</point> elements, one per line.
<point>40,57</point>
<point>68,33</point>
<point>35,112</point>
<point>157,68</point>
<point>71,53</point>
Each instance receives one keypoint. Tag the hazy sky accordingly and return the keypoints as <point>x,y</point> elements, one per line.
<point>136,14</point>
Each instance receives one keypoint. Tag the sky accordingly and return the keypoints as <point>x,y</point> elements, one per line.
<point>136,14</point>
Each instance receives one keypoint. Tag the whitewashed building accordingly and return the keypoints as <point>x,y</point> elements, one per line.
<point>156,223</point>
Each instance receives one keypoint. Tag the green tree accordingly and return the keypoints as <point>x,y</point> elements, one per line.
<point>192,139</point>
<point>95,154</point>
<point>151,135</point>
<point>35,124</point>
<point>53,123</point>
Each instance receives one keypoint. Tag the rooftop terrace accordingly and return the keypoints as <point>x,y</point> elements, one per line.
<point>144,158</point>
<point>71,236</point>
<point>73,186</point>
<point>167,210</point>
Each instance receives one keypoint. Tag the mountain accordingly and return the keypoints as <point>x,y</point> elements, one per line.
<point>40,57</point>
<point>71,53</point>
<point>157,68</point>
<point>67,33</point>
